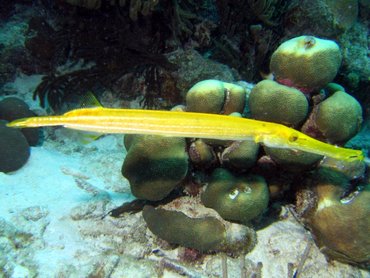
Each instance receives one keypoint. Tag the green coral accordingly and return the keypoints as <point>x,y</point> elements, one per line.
<point>154,165</point>
<point>339,117</point>
<point>235,98</point>
<point>201,154</point>
<point>14,149</point>
<point>340,224</point>
<point>204,233</point>
<point>12,108</point>
<point>240,155</point>
<point>272,102</point>
<point>214,96</point>
<point>306,62</point>
<point>293,159</point>
<point>239,199</point>
<point>206,96</point>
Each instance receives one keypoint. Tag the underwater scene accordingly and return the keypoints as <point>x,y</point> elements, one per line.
<point>184,138</point>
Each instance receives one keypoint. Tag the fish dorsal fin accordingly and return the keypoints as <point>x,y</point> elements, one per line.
<point>89,100</point>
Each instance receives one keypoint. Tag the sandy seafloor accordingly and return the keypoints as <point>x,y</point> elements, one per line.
<point>51,221</point>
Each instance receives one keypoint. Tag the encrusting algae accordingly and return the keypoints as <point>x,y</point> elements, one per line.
<point>188,124</point>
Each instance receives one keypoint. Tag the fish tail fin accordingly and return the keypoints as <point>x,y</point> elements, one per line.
<point>36,122</point>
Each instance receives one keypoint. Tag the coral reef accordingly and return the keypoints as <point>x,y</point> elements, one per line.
<point>240,190</point>
<point>92,45</point>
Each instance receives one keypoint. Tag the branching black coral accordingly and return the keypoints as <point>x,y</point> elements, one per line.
<point>102,40</point>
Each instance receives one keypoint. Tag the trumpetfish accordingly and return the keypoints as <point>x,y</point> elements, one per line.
<point>189,125</point>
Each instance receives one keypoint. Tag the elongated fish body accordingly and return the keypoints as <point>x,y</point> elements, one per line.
<point>188,124</point>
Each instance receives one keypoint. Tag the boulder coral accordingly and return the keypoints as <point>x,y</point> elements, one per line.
<point>339,117</point>
<point>273,102</point>
<point>239,199</point>
<point>240,155</point>
<point>154,165</point>
<point>206,233</point>
<point>293,160</point>
<point>12,108</point>
<point>341,225</point>
<point>306,62</point>
<point>214,96</point>
<point>14,149</point>
<point>201,154</point>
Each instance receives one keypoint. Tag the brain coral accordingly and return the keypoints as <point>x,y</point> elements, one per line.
<point>306,62</point>
<point>273,102</point>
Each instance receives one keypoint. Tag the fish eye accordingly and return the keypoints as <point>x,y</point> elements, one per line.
<point>293,137</point>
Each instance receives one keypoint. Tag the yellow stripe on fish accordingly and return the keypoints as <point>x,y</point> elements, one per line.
<point>188,124</point>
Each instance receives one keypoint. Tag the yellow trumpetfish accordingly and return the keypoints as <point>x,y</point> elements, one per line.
<point>188,124</point>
